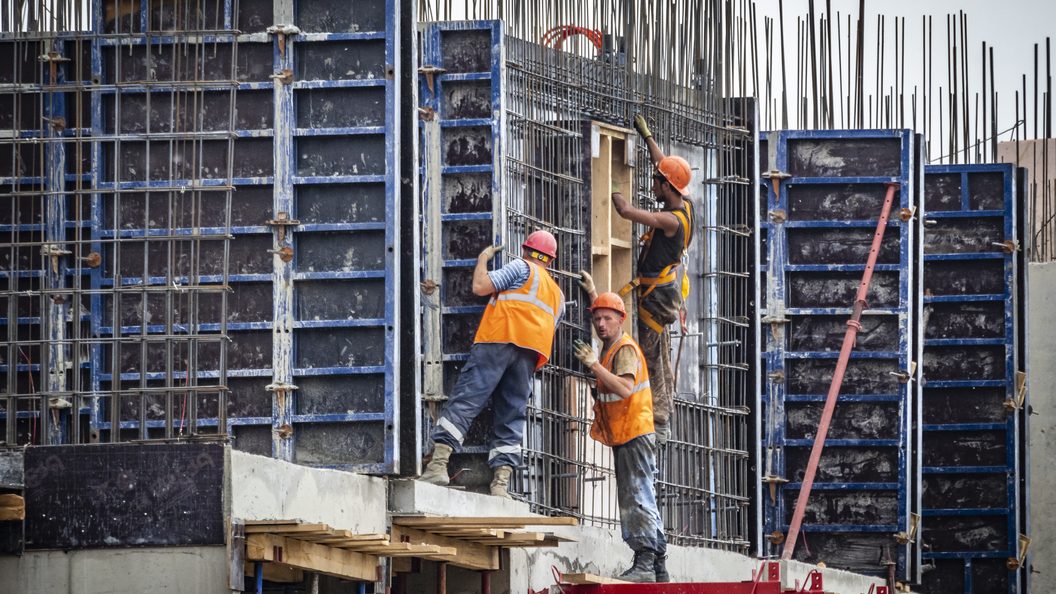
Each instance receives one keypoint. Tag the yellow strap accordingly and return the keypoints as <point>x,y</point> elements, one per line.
<point>649,321</point>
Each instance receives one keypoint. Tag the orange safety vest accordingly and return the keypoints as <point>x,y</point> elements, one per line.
<point>526,316</point>
<point>619,420</point>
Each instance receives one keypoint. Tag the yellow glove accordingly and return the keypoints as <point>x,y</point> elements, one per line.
<point>490,251</point>
<point>641,127</point>
<point>616,187</point>
<point>584,353</point>
<point>586,281</point>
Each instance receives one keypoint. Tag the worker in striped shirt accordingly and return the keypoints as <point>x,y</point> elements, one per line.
<point>515,339</point>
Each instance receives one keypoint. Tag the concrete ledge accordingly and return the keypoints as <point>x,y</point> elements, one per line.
<point>260,488</point>
<point>411,496</point>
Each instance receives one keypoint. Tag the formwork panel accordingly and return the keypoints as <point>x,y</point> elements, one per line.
<point>819,224</point>
<point>202,152</point>
<point>968,395</point>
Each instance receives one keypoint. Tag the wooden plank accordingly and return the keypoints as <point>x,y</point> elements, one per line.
<point>589,578</point>
<point>276,572</point>
<point>271,522</point>
<point>469,555</point>
<point>309,556</point>
<point>285,529</point>
<point>470,522</point>
<point>394,547</point>
<point>349,542</point>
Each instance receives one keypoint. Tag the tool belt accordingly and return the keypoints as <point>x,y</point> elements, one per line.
<point>646,284</point>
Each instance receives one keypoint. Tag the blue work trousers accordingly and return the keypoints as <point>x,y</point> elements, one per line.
<point>636,494</point>
<point>504,373</point>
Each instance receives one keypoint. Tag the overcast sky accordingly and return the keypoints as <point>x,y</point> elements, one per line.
<point>1012,27</point>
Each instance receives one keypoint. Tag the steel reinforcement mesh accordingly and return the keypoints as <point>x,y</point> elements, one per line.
<point>115,174</point>
<point>704,476</point>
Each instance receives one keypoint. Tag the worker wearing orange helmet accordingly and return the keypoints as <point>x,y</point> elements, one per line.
<point>661,283</point>
<point>514,339</point>
<point>623,420</point>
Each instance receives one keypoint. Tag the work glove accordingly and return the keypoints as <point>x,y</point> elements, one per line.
<point>584,353</point>
<point>641,127</point>
<point>663,432</point>
<point>586,281</point>
<point>616,187</point>
<point>490,251</point>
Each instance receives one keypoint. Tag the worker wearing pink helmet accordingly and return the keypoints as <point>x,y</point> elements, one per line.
<point>514,339</point>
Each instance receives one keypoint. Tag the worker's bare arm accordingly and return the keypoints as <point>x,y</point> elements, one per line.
<point>482,284</point>
<point>655,154</point>
<point>665,221</point>
<point>621,385</point>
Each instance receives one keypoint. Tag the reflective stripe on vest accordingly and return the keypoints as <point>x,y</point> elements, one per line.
<point>526,316</point>
<point>618,420</point>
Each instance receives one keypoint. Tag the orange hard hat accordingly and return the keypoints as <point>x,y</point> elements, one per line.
<point>676,171</point>
<point>542,242</point>
<point>610,300</point>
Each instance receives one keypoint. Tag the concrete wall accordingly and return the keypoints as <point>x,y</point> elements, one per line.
<point>1042,381</point>
<point>262,488</point>
<point>166,570</point>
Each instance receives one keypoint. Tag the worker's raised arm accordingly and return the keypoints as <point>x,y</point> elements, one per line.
<point>482,284</point>
<point>655,154</point>
<point>665,221</point>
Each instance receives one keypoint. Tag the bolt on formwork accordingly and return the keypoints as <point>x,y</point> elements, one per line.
<point>116,171</point>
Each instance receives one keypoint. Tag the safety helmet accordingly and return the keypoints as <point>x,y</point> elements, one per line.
<point>610,300</point>
<point>541,242</point>
<point>676,171</point>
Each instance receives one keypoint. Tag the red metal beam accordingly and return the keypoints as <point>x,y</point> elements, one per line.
<point>853,326</point>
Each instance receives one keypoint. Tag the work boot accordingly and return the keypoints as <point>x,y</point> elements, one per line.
<point>500,482</point>
<point>660,569</point>
<point>436,472</point>
<point>642,570</point>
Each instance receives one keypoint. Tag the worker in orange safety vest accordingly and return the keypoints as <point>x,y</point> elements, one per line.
<point>623,419</point>
<point>514,339</point>
<point>662,285</point>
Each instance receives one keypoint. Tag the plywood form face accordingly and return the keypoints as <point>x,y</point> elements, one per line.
<point>611,234</point>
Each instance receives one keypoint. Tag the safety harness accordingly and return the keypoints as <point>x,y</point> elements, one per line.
<point>646,284</point>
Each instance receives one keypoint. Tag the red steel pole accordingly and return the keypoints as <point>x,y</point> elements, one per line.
<point>853,326</point>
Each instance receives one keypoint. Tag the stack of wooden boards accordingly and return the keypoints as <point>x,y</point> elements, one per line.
<point>288,547</point>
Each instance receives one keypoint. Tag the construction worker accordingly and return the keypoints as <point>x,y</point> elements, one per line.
<point>662,285</point>
<point>623,420</point>
<point>514,339</point>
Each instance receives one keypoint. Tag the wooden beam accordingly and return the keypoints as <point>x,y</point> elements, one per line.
<point>471,522</point>
<point>311,557</point>
<point>295,530</point>
<point>589,578</point>
<point>470,555</point>
<point>270,522</point>
<point>277,572</point>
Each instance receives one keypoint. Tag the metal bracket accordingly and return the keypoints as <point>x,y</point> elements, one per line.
<point>775,178</point>
<point>426,114</point>
<point>53,251</point>
<point>282,31</point>
<point>773,480</point>
<point>284,76</point>
<point>285,253</point>
<point>906,214</point>
<point>776,377</point>
<point>778,216</point>
<point>775,319</point>
<point>1008,247</point>
<point>429,286</point>
<point>1021,387</point>
<point>429,72</point>
<point>282,388</point>
<point>282,222</point>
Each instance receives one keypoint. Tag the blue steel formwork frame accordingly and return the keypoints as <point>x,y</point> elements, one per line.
<point>775,353</point>
<point>945,207</point>
<point>449,90</point>
<point>287,176</point>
